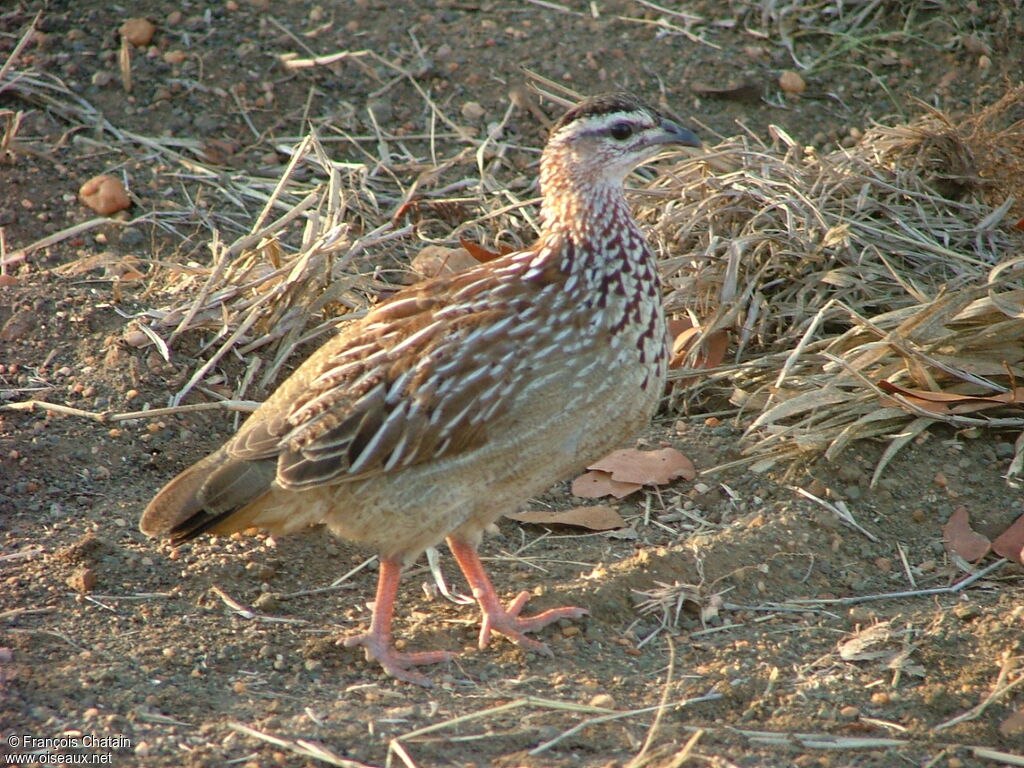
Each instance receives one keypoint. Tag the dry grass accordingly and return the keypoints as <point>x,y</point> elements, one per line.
<point>889,262</point>
<point>832,273</point>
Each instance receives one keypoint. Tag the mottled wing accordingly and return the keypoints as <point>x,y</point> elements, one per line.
<point>418,379</point>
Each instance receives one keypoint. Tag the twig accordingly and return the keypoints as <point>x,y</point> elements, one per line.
<point>712,696</point>
<point>637,761</point>
<point>555,7</point>
<point>1000,688</point>
<point>301,747</point>
<point>106,417</point>
<point>950,590</point>
<point>246,613</point>
<point>26,38</point>
<point>565,706</point>
<point>840,511</point>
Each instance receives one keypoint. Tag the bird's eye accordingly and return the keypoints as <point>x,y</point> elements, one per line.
<point>621,131</point>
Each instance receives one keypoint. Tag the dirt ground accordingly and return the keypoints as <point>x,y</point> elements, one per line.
<point>223,652</point>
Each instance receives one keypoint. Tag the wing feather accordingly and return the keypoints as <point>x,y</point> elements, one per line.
<point>415,380</point>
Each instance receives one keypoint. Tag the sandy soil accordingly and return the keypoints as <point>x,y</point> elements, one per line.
<point>175,654</point>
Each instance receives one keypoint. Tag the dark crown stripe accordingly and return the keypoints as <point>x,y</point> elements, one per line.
<point>602,104</point>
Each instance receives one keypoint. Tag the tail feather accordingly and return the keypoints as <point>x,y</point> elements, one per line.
<point>207,497</point>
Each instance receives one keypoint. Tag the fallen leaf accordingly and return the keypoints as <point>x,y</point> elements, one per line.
<point>856,648</point>
<point>593,485</point>
<point>434,260</point>
<point>482,254</point>
<point>947,403</point>
<point>1010,543</point>
<point>1013,725</point>
<point>646,467</point>
<point>963,540</point>
<point>595,518</point>
<point>693,347</point>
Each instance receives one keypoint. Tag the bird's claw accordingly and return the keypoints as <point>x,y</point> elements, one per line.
<point>396,663</point>
<point>507,622</point>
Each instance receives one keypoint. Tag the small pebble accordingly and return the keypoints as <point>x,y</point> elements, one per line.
<point>137,31</point>
<point>966,611</point>
<point>82,580</point>
<point>104,194</point>
<point>792,82</point>
<point>472,111</point>
<point>861,615</point>
<point>974,44</point>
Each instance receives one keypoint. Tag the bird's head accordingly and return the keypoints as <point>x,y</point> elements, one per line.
<point>601,139</point>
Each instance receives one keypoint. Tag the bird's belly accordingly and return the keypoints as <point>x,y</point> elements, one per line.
<point>554,426</point>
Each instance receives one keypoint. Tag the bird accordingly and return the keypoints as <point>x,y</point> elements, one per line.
<point>459,398</point>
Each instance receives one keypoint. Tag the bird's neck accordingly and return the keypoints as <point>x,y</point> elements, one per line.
<point>582,211</point>
<point>594,221</point>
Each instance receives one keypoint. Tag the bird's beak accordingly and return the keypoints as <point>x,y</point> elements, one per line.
<point>673,133</point>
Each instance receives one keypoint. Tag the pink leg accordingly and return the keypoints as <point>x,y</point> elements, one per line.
<point>497,618</point>
<point>377,642</point>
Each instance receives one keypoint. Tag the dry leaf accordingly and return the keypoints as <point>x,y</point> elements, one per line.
<point>1010,543</point>
<point>963,540</point>
<point>855,649</point>
<point>946,403</point>
<point>593,485</point>
<point>434,260</point>
<point>480,253</point>
<point>686,337</point>
<point>595,518</point>
<point>646,467</point>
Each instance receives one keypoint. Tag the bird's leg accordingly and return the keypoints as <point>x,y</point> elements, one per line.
<point>497,618</point>
<point>377,642</point>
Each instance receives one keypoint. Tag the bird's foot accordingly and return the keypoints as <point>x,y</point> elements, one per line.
<point>508,622</point>
<point>396,663</point>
